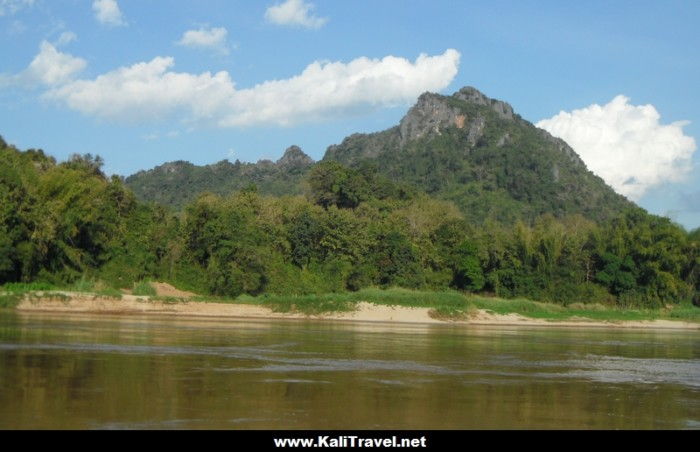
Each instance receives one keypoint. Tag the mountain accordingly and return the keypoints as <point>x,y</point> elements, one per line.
<point>466,148</point>
<point>175,184</point>
<point>478,153</point>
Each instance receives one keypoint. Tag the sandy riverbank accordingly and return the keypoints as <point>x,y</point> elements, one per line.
<point>366,312</point>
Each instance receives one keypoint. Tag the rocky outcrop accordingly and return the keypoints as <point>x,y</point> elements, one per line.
<point>430,114</point>
<point>294,157</point>
<point>474,96</point>
<point>476,130</point>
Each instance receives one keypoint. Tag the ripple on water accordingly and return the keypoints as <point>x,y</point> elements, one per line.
<point>225,352</point>
<point>692,424</point>
<point>272,359</point>
<point>335,365</point>
<point>169,424</point>
<point>292,380</point>
<point>617,369</point>
<point>607,369</point>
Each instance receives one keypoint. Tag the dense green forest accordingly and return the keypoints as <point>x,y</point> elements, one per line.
<point>176,184</point>
<point>349,229</point>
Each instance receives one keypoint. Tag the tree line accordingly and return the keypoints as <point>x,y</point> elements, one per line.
<point>352,229</point>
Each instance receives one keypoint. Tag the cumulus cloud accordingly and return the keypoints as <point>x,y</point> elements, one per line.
<point>146,91</point>
<point>626,145</point>
<point>295,13</point>
<point>107,12</point>
<point>8,7</point>
<point>52,67</point>
<point>206,38</point>
<point>152,90</point>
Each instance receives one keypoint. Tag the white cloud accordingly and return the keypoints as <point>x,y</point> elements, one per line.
<point>212,38</point>
<point>626,145</point>
<point>12,6</point>
<point>52,67</point>
<point>324,90</point>
<point>295,13</point>
<point>107,12</point>
<point>146,91</point>
<point>66,38</point>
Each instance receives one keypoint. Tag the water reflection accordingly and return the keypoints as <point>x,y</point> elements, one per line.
<point>143,373</point>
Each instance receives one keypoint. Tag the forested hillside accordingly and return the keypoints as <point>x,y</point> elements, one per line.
<point>175,184</point>
<point>65,222</point>
<point>465,148</point>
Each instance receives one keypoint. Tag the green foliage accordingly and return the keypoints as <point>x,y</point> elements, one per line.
<point>397,262</point>
<point>22,288</point>
<point>333,184</point>
<point>83,285</point>
<point>468,274</point>
<point>619,275</point>
<point>502,169</point>
<point>9,300</point>
<point>305,235</point>
<point>178,184</point>
<point>67,225</point>
<point>144,288</point>
<point>309,304</point>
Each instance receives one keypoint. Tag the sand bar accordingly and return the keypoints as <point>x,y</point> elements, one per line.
<point>366,312</point>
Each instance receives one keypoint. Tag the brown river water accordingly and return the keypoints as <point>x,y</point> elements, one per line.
<point>130,372</point>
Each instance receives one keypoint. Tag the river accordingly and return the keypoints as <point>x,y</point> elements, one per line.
<point>130,372</point>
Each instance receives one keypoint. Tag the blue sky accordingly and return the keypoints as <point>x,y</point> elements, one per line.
<point>203,70</point>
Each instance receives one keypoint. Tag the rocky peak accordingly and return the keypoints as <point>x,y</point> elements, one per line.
<point>433,113</point>
<point>294,157</point>
<point>474,96</point>
<point>430,114</point>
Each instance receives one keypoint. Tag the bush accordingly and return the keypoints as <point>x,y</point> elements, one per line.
<point>83,285</point>
<point>144,288</point>
<point>19,288</point>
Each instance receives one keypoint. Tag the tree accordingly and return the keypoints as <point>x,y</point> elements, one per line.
<point>92,164</point>
<point>618,274</point>
<point>333,184</point>
<point>467,270</point>
<point>397,262</point>
<point>305,235</point>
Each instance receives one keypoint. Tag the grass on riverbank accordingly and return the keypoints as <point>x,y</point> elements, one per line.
<point>444,305</point>
<point>453,305</point>
<point>11,294</point>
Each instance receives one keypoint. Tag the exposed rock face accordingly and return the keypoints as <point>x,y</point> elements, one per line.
<point>476,130</point>
<point>430,114</point>
<point>433,113</point>
<point>505,139</point>
<point>294,157</point>
<point>474,96</point>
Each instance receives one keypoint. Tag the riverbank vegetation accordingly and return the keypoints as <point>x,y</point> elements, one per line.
<point>453,305</point>
<point>351,235</point>
<point>446,305</point>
